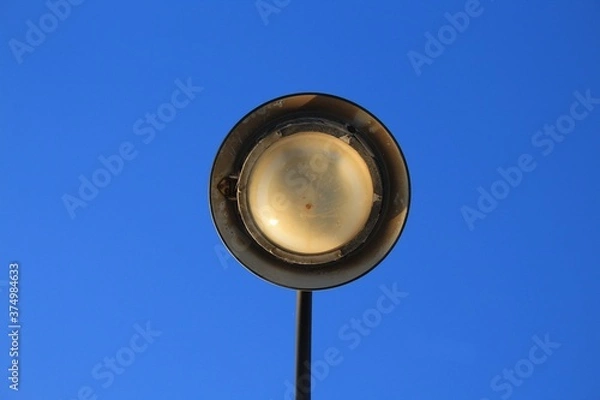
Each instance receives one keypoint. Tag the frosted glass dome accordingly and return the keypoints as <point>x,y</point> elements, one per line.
<point>310,193</point>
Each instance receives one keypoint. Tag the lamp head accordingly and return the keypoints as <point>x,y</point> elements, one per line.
<point>309,191</point>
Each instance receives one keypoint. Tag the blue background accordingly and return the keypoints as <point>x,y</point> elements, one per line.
<point>144,249</point>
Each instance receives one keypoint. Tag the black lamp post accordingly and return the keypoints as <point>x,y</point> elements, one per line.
<point>309,191</point>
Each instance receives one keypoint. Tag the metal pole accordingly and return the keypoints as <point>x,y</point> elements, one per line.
<point>303,344</point>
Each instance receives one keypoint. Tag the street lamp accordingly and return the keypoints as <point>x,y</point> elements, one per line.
<point>309,191</point>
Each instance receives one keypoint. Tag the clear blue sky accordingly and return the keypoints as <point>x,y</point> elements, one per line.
<point>501,297</point>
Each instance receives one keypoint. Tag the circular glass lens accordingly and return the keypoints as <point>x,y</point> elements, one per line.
<point>310,193</point>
